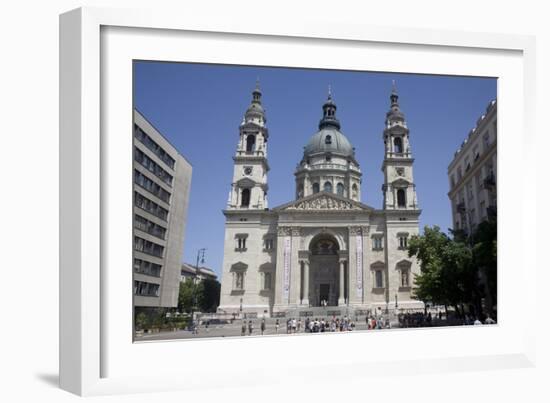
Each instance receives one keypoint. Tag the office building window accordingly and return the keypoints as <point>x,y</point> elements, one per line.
<point>145,246</point>
<point>146,289</point>
<point>150,206</point>
<point>141,158</point>
<point>150,227</point>
<point>148,268</point>
<point>153,146</point>
<point>152,187</point>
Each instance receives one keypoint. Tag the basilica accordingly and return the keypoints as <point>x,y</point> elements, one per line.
<point>325,250</point>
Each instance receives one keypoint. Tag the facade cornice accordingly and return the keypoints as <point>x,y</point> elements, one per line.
<point>481,125</point>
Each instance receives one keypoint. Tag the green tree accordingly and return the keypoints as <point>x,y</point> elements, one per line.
<point>210,295</point>
<point>484,243</point>
<point>191,295</point>
<point>445,277</point>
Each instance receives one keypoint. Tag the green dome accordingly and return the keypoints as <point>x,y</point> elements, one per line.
<point>329,140</point>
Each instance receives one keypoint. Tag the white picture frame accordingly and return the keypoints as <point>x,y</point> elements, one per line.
<point>96,349</point>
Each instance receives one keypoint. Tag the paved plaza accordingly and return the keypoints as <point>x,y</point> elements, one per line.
<point>234,329</point>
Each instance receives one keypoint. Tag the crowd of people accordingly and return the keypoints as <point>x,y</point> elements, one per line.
<point>372,322</point>
<point>313,325</point>
<point>421,319</point>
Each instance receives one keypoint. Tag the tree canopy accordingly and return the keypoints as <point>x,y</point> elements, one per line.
<point>451,269</point>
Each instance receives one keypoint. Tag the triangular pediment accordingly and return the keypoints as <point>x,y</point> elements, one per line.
<point>323,201</point>
<point>401,182</point>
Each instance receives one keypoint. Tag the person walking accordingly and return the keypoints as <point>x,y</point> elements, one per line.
<point>243,329</point>
<point>277,326</point>
<point>250,328</point>
<point>489,321</point>
<point>262,326</point>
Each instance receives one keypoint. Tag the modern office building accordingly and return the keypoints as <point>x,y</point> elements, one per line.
<point>473,174</point>
<point>198,274</point>
<point>162,180</point>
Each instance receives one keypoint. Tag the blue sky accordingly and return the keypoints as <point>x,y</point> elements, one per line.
<point>199,107</point>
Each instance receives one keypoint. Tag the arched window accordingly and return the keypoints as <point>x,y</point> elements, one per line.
<point>340,189</point>
<point>354,191</point>
<point>397,145</point>
<point>327,187</point>
<point>315,188</point>
<point>401,198</point>
<point>250,142</point>
<point>328,140</point>
<point>245,198</point>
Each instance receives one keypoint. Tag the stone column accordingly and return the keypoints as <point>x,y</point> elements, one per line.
<point>305,300</point>
<point>295,267</point>
<point>341,299</point>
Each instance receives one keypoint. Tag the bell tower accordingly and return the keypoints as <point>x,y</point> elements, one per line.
<point>398,189</point>
<point>249,186</point>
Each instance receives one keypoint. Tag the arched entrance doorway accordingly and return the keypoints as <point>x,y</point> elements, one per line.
<point>324,281</point>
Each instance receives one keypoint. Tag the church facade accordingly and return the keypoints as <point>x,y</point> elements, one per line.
<point>325,248</point>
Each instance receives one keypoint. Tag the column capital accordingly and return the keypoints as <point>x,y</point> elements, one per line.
<point>283,231</point>
<point>296,231</point>
<point>358,230</point>
<point>343,255</point>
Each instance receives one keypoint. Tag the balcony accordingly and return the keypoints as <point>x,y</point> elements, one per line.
<point>461,208</point>
<point>492,211</point>
<point>489,182</point>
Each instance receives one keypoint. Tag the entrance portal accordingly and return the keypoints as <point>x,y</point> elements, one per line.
<point>324,293</point>
<point>324,280</point>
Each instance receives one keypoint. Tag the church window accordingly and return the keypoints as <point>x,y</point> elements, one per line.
<point>401,198</point>
<point>378,279</point>
<point>267,281</point>
<point>328,140</point>
<point>245,198</point>
<point>328,158</point>
<point>340,189</point>
<point>268,243</point>
<point>404,277</point>
<point>241,242</point>
<point>354,191</point>
<point>327,187</point>
<point>250,143</point>
<point>377,242</point>
<point>402,241</point>
<point>239,280</point>
<point>315,188</point>
<point>397,145</point>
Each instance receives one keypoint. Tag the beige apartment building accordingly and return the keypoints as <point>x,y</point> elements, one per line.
<point>473,174</point>
<point>162,180</point>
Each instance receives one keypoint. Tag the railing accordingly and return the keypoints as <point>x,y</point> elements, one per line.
<point>489,181</point>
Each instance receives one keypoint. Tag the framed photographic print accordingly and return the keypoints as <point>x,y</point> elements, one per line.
<point>263,194</point>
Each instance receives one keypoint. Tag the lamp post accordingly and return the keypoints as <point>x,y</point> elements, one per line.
<point>200,258</point>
